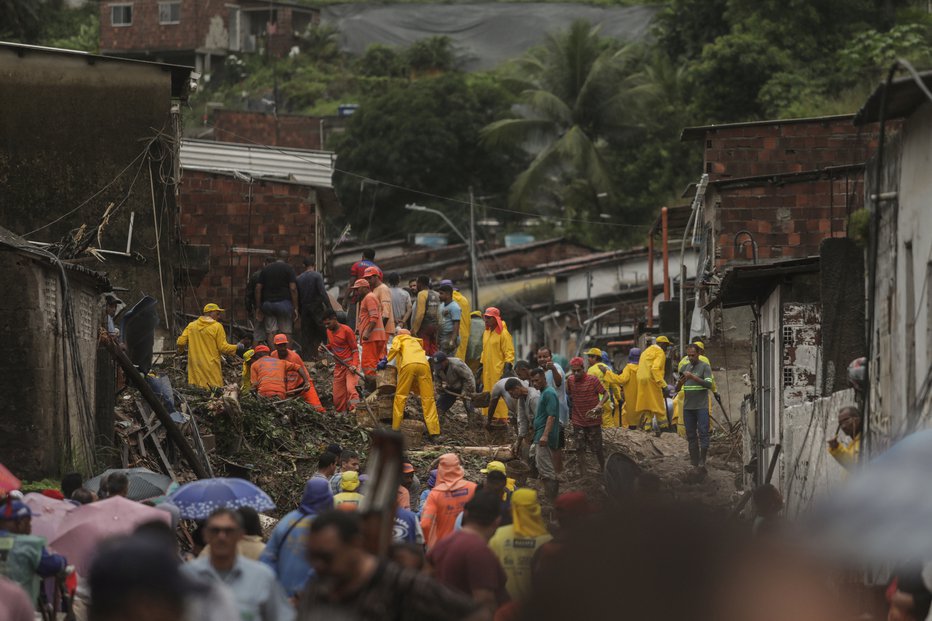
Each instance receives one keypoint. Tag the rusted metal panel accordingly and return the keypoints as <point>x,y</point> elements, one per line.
<point>802,343</point>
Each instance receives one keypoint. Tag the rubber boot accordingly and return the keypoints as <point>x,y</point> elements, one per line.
<point>694,454</point>
<point>703,453</point>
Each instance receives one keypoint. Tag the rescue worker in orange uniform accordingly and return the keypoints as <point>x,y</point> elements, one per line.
<point>369,326</point>
<point>342,344</point>
<point>294,380</point>
<point>268,375</point>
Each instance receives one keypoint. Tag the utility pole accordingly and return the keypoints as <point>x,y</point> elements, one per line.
<point>473,276</point>
<point>588,295</point>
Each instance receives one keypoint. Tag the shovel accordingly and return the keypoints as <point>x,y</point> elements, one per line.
<point>361,388</point>
<point>479,399</point>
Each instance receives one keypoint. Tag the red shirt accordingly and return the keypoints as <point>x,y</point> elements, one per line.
<point>370,312</point>
<point>464,562</point>
<point>585,394</point>
<point>342,344</point>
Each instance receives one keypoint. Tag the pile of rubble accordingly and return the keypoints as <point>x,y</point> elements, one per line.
<point>276,443</point>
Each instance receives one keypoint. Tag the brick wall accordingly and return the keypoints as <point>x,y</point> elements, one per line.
<point>299,132</point>
<point>788,220</point>
<point>764,149</point>
<point>215,212</point>
<point>146,33</point>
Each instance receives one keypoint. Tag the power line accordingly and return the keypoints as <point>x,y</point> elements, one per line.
<point>402,188</point>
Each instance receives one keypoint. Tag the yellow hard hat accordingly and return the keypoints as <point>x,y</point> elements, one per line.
<point>595,351</point>
<point>699,344</point>
<point>494,466</point>
<point>663,339</point>
<point>209,308</point>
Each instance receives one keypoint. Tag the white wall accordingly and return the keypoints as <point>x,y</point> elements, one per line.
<point>806,469</point>
<point>903,302</point>
<point>614,277</point>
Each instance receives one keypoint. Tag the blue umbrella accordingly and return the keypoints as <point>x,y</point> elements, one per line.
<point>198,499</point>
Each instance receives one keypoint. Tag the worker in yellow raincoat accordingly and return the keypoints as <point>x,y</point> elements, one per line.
<point>409,357</point>
<point>245,383</point>
<point>464,305</point>
<point>680,397</point>
<point>498,358</point>
<point>847,455</point>
<point>629,384</point>
<point>651,403</point>
<point>611,382</point>
<point>205,340</point>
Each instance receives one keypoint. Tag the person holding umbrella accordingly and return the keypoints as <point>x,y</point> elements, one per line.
<point>26,559</point>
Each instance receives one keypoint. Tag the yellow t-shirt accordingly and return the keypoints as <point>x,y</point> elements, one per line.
<point>515,554</point>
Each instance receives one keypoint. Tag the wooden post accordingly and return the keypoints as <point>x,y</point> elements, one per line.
<point>158,408</point>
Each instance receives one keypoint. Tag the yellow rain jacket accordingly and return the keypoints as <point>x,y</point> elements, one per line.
<point>629,383</point>
<point>413,372</point>
<point>460,299</point>
<point>650,401</point>
<point>611,381</point>
<point>680,399</point>
<point>497,350</point>
<point>515,544</point>
<point>848,455</point>
<point>205,340</point>
<point>246,383</point>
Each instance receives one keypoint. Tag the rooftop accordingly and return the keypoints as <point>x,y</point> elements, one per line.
<point>699,132</point>
<point>180,74</point>
<point>903,97</point>
<point>301,166</point>
<point>744,285</point>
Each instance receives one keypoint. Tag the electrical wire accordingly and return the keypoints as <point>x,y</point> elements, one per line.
<point>447,199</point>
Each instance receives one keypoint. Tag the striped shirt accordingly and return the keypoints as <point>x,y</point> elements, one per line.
<point>585,395</point>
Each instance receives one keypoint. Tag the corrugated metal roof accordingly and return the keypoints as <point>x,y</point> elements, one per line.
<point>303,166</point>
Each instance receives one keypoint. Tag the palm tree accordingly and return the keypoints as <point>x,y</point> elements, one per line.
<point>574,95</point>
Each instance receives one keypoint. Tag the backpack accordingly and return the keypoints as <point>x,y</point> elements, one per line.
<point>432,312</point>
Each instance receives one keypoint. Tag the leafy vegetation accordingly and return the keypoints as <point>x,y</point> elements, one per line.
<point>578,137</point>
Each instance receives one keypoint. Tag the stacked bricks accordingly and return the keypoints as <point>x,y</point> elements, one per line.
<point>215,212</point>
<point>282,130</point>
<point>773,148</point>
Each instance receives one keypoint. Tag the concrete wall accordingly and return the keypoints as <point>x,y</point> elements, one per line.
<point>69,128</point>
<point>47,416</point>
<point>806,470</point>
<point>902,336</point>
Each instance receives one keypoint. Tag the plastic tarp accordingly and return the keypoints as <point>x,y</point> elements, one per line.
<point>485,35</point>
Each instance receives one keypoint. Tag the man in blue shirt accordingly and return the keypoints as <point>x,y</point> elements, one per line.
<point>259,596</point>
<point>286,552</point>
<point>450,316</point>
<point>546,439</point>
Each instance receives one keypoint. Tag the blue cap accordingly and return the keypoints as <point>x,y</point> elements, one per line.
<point>14,510</point>
<point>634,356</point>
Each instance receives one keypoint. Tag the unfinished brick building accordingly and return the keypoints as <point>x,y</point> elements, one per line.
<point>240,204</point>
<point>776,189</point>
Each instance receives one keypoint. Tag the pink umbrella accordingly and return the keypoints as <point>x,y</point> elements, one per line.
<point>47,513</point>
<point>81,531</point>
<point>8,482</point>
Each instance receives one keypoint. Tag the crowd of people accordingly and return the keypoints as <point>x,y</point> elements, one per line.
<point>444,351</point>
<point>460,549</point>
